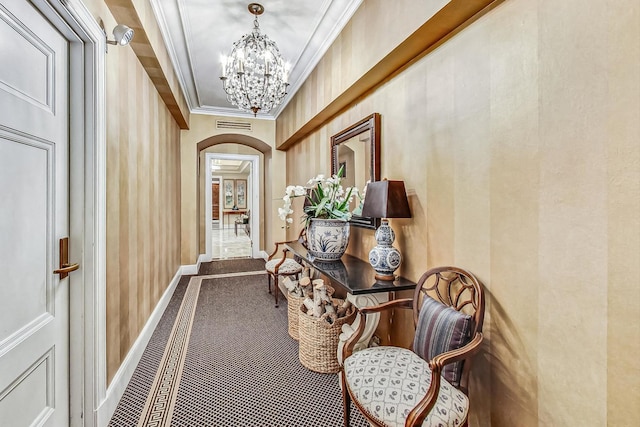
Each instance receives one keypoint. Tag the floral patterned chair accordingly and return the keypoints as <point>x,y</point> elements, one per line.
<point>396,387</point>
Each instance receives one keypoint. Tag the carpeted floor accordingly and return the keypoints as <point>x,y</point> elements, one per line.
<point>221,356</point>
<point>231,266</point>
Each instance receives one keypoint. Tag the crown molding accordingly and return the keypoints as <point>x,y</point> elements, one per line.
<point>335,15</point>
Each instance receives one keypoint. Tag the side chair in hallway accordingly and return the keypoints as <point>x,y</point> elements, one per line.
<point>282,266</point>
<point>394,387</point>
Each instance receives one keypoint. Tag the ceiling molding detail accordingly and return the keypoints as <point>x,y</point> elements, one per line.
<point>124,11</point>
<point>306,28</point>
<point>452,17</point>
<point>328,29</point>
<point>176,48</point>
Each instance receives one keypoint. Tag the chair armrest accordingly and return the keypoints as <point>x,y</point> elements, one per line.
<point>276,268</point>
<point>276,250</point>
<point>421,410</point>
<point>464,352</point>
<point>353,339</point>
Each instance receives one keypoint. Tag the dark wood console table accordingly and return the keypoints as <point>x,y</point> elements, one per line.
<point>357,277</point>
<point>353,274</point>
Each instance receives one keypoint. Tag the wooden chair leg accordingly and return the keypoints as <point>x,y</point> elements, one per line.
<point>346,401</point>
<point>269,282</point>
<point>276,289</point>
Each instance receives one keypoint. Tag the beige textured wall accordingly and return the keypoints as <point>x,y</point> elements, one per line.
<point>201,128</point>
<point>365,40</point>
<point>518,143</point>
<point>143,203</point>
<point>152,31</point>
<point>143,197</point>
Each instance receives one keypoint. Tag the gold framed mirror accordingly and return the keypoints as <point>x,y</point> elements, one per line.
<point>357,150</point>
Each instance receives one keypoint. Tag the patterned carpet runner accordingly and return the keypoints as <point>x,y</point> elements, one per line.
<point>221,356</point>
<point>159,406</point>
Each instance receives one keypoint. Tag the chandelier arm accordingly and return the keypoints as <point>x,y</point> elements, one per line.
<point>265,87</point>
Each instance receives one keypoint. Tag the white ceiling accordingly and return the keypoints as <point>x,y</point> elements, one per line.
<point>198,32</point>
<point>222,166</point>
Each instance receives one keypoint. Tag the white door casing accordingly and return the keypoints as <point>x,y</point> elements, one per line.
<point>34,215</point>
<point>253,203</point>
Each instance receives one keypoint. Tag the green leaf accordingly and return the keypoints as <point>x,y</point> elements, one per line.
<point>344,205</point>
<point>320,207</point>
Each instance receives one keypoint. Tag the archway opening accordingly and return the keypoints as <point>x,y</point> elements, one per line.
<point>246,195</point>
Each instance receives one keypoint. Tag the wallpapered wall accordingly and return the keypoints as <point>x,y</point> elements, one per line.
<point>518,143</point>
<point>202,130</point>
<point>143,202</point>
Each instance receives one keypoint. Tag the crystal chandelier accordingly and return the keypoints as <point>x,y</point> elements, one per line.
<point>254,76</point>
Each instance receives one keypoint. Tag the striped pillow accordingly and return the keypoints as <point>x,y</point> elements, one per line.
<point>440,329</point>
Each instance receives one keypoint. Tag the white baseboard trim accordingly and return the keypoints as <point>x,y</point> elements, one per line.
<point>194,268</point>
<point>125,372</point>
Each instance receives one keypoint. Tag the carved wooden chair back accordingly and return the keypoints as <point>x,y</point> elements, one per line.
<point>456,288</point>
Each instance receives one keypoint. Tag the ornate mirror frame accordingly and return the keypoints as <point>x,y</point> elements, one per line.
<point>368,131</point>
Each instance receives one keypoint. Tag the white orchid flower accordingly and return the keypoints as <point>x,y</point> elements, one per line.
<point>332,203</point>
<point>317,180</point>
<point>282,213</point>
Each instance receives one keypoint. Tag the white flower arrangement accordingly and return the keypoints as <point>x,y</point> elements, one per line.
<point>325,196</point>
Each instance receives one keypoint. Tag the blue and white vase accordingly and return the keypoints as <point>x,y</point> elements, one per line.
<point>384,258</point>
<point>327,239</point>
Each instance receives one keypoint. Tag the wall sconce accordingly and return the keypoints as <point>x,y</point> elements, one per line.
<point>385,199</point>
<point>122,35</point>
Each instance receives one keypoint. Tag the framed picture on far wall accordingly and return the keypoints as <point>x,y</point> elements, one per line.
<point>241,193</point>
<point>228,195</point>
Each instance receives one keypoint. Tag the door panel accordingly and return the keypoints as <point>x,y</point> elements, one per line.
<point>34,215</point>
<point>30,84</point>
<point>22,46</point>
<point>28,274</point>
<point>215,201</point>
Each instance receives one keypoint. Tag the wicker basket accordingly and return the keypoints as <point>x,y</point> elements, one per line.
<point>318,350</point>
<point>293,308</point>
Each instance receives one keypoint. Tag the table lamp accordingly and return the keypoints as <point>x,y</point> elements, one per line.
<point>385,199</point>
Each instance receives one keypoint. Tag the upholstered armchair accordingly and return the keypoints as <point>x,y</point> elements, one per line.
<point>281,265</point>
<point>428,385</point>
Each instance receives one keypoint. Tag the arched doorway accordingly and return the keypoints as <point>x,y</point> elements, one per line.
<point>231,206</point>
<point>258,155</point>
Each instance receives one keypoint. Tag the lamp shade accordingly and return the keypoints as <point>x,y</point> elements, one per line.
<point>386,199</point>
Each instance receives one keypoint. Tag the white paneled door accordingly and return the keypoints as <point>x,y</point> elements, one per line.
<point>34,217</point>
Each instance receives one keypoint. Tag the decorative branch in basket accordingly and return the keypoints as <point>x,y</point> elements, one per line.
<point>317,299</point>
<point>303,288</point>
<point>323,306</point>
